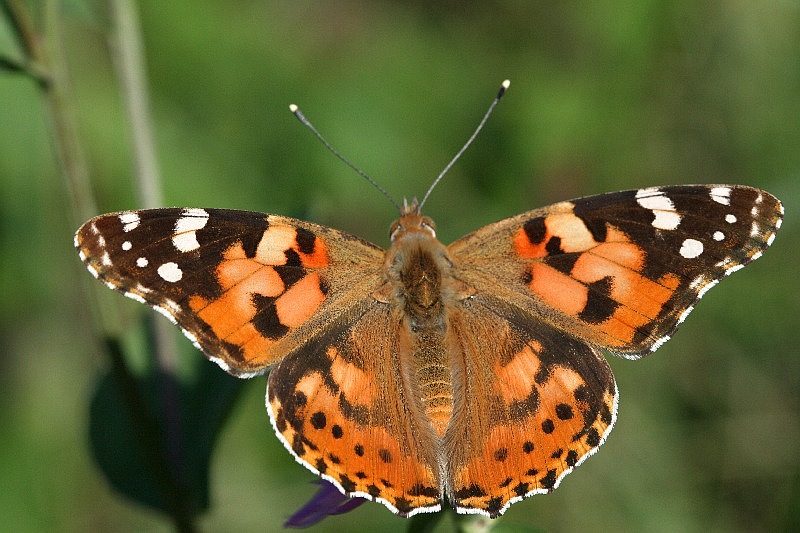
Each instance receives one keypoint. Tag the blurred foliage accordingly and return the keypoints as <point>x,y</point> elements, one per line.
<point>604,96</point>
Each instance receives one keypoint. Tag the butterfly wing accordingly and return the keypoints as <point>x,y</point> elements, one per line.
<point>245,287</point>
<point>621,270</point>
<point>546,289</point>
<point>342,406</point>
<point>255,290</point>
<point>535,403</point>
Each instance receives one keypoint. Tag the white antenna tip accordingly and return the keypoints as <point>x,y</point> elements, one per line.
<point>503,88</point>
<point>293,108</point>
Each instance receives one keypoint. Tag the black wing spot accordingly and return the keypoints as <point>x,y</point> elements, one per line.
<point>385,455</point>
<point>599,305</point>
<point>535,230</point>
<point>522,489</point>
<point>572,458</point>
<point>266,319</point>
<point>553,246</point>
<point>347,484</point>
<point>501,454</point>
<point>473,491</point>
<point>289,275</point>
<point>592,438</point>
<point>564,411</point>
<point>549,480</point>
<point>305,241</point>
<point>318,420</point>
<point>527,446</point>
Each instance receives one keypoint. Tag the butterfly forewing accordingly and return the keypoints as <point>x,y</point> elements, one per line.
<point>622,270</point>
<point>239,284</point>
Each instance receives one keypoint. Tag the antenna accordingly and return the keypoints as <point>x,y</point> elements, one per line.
<point>503,87</point>
<point>299,114</point>
<point>301,117</point>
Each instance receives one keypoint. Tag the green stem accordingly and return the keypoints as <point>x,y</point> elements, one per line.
<point>127,51</point>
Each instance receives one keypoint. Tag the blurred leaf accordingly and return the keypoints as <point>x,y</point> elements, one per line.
<point>425,522</point>
<point>129,440</point>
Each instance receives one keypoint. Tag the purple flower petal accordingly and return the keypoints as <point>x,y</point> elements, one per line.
<point>326,502</point>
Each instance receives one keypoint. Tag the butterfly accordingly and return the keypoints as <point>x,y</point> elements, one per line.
<point>471,373</point>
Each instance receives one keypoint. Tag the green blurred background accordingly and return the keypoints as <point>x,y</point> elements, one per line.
<point>604,96</point>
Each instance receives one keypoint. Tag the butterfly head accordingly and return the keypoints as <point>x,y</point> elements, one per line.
<point>412,222</point>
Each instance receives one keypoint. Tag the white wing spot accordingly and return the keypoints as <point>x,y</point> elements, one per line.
<point>166,312</point>
<point>668,220</point>
<point>142,262</point>
<point>691,248</point>
<point>719,236</point>
<point>658,343</point>
<point>707,288</point>
<point>733,269</point>
<point>185,238</point>
<point>754,211</point>
<point>105,259</point>
<point>185,242</point>
<point>662,207</point>
<point>685,314</point>
<point>770,239</point>
<point>93,271</point>
<point>721,195</point>
<point>130,221</point>
<point>133,296</point>
<point>725,263</point>
<point>170,272</point>
<point>142,289</point>
<point>127,245</point>
<point>730,219</point>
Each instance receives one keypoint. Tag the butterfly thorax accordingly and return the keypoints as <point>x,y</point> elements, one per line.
<point>420,283</point>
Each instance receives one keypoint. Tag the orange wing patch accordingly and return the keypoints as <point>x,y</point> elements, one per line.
<point>265,295</point>
<point>601,283</point>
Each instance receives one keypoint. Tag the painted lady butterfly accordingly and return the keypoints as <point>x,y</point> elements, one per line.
<point>470,372</point>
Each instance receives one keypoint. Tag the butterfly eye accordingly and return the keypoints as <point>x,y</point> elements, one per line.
<point>429,225</point>
<point>395,227</point>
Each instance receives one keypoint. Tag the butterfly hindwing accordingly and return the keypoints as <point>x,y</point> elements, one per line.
<point>245,287</point>
<point>622,270</point>
<point>341,406</point>
<point>540,401</point>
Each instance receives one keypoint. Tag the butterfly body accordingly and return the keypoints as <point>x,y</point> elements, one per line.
<point>468,373</point>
